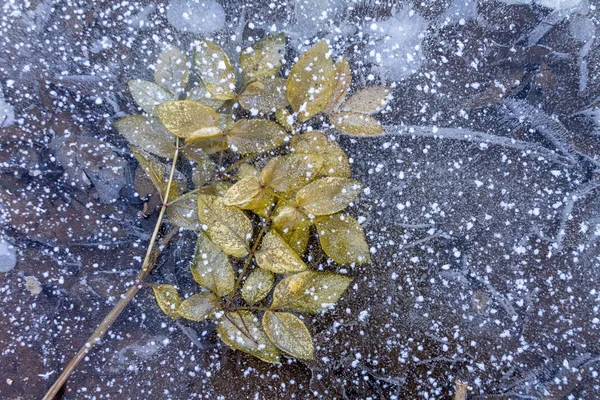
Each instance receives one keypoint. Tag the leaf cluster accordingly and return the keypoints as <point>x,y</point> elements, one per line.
<point>265,183</point>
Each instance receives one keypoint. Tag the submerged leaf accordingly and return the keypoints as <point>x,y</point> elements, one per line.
<point>289,333</point>
<point>343,239</point>
<point>201,95</point>
<point>293,226</point>
<point>343,79</point>
<point>291,172</point>
<point>241,330</point>
<point>311,82</point>
<point>204,170</point>
<point>228,227</point>
<point>243,193</point>
<point>205,146</point>
<point>327,195</point>
<point>215,70</point>
<point>156,172</point>
<point>247,171</point>
<point>277,256</point>
<point>199,307</point>
<point>211,268</point>
<point>367,101</point>
<point>148,134</point>
<point>189,119</point>
<point>183,212</point>
<point>257,286</point>
<point>147,95</point>
<point>356,124</point>
<point>167,299</point>
<point>172,71</point>
<point>335,160</point>
<point>264,96</point>
<point>285,118</point>
<point>255,136</point>
<point>309,291</point>
<point>264,58</point>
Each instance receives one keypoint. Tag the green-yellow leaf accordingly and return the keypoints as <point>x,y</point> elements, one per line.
<point>215,70</point>
<point>149,134</point>
<point>285,118</point>
<point>289,334</point>
<point>263,59</point>
<point>172,71</point>
<point>204,170</point>
<point>277,256</point>
<point>257,286</point>
<point>167,299</point>
<point>311,82</point>
<point>335,160</point>
<point>156,172</point>
<point>327,195</point>
<point>189,119</point>
<point>211,268</point>
<point>255,136</point>
<point>241,331</point>
<point>264,96</point>
<point>205,146</point>
<point>147,95</point>
<point>343,239</point>
<point>183,212</point>
<point>343,79</point>
<point>291,172</point>
<point>367,101</point>
<point>201,95</point>
<point>309,291</point>
<point>199,307</point>
<point>228,227</point>
<point>356,124</point>
<point>247,171</point>
<point>243,193</point>
<point>293,226</point>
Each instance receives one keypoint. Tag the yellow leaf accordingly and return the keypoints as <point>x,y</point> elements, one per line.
<point>199,307</point>
<point>189,119</point>
<point>183,212</point>
<point>255,136</point>
<point>335,160</point>
<point>293,226</point>
<point>228,227</point>
<point>211,268</point>
<point>257,286</point>
<point>215,70</point>
<point>277,256</point>
<point>264,96</point>
<point>285,118</point>
<point>289,334</point>
<point>243,193</point>
<point>309,291</point>
<point>201,95</point>
<point>367,101</point>
<point>263,59</point>
<point>311,82</point>
<point>167,299</point>
<point>246,171</point>
<point>291,172</point>
<point>241,331</point>
<point>172,71</point>
<point>327,195</point>
<point>356,124</point>
<point>343,79</point>
<point>147,95</point>
<point>149,134</point>
<point>343,239</point>
<point>205,146</point>
<point>156,172</point>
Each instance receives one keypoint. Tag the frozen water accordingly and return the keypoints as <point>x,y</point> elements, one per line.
<point>202,17</point>
<point>8,256</point>
<point>7,112</point>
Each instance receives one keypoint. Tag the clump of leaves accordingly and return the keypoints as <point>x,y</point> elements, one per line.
<point>264,183</point>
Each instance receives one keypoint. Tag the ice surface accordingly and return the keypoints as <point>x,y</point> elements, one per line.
<point>8,256</point>
<point>202,17</point>
<point>7,112</point>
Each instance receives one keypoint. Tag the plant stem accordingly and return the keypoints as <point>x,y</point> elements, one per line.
<point>124,301</point>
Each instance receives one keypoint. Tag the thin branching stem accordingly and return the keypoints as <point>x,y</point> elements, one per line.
<point>125,300</point>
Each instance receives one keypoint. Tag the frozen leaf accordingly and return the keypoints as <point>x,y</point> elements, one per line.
<point>241,330</point>
<point>215,70</point>
<point>264,58</point>
<point>291,172</point>
<point>199,307</point>
<point>257,286</point>
<point>289,334</point>
<point>311,82</point>
<point>205,146</point>
<point>201,95</point>
<point>189,119</point>
<point>211,268</point>
<point>367,101</point>
<point>356,124</point>
<point>293,226</point>
<point>156,172</point>
<point>335,160</point>
<point>149,134</point>
<point>183,212</point>
<point>327,195</point>
<point>343,79</point>
<point>264,96</point>
<point>221,187</point>
<point>255,136</point>
<point>246,171</point>
<point>309,291</point>
<point>228,227</point>
<point>285,118</point>
<point>167,299</point>
<point>277,256</point>
<point>343,239</point>
<point>147,95</point>
<point>204,170</point>
<point>243,193</point>
<point>172,71</point>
